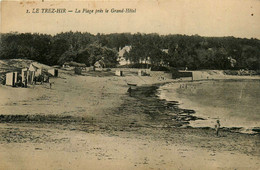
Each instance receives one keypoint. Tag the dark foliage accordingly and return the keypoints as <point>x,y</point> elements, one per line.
<point>194,52</point>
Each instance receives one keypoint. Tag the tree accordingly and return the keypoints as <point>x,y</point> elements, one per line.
<point>59,47</point>
<point>96,53</point>
<point>83,57</point>
<point>67,57</point>
<point>194,52</point>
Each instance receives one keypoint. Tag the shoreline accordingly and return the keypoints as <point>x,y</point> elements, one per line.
<point>203,122</point>
<point>172,121</point>
<point>171,111</point>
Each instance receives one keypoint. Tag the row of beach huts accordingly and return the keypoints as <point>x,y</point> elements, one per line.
<point>30,75</point>
<point>35,73</point>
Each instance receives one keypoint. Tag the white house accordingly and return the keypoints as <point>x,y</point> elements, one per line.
<point>121,52</point>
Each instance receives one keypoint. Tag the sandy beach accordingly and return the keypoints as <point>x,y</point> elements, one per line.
<point>130,85</point>
<point>90,122</point>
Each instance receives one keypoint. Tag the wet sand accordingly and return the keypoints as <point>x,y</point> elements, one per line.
<point>76,125</point>
<point>233,102</point>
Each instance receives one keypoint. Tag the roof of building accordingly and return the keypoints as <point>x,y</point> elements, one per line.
<point>75,64</point>
<point>33,67</point>
<point>122,51</point>
<point>165,50</point>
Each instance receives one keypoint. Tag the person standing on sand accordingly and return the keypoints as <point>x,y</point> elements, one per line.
<point>217,127</point>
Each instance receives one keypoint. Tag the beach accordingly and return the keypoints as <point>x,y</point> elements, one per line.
<point>90,121</point>
<point>233,102</point>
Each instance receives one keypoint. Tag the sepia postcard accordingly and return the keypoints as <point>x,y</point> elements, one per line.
<point>129,84</point>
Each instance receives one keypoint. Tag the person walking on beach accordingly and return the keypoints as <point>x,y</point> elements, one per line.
<point>217,127</point>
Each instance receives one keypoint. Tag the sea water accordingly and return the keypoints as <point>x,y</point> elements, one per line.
<point>234,102</point>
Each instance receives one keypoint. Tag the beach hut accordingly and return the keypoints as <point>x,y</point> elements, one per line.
<point>53,72</point>
<point>31,76</point>
<point>119,73</point>
<point>25,76</point>
<point>141,73</point>
<point>33,73</point>
<point>37,71</point>
<point>15,77</point>
<point>11,79</point>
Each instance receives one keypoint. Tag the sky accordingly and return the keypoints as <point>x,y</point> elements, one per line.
<point>238,18</point>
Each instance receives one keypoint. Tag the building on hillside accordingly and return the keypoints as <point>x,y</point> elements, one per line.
<point>232,61</point>
<point>165,51</point>
<point>145,61</point>
<point>122,51</point>
<point>121,59</point>
<point>100,64</point>
<point>163,62</point>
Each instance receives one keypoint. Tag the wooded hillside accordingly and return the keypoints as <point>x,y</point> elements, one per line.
<point>194,52</point>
